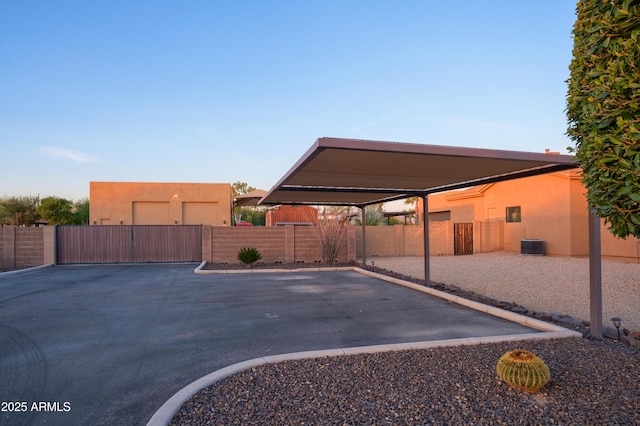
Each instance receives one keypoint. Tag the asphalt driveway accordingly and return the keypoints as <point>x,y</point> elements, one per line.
<point>110,344</point>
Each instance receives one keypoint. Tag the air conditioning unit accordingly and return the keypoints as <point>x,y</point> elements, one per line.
<point>532,247</point>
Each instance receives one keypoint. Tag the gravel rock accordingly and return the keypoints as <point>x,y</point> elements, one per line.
<point>592,382</point>
<point>539,283</point>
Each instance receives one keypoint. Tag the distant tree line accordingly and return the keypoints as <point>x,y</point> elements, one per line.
<point>30,210</point>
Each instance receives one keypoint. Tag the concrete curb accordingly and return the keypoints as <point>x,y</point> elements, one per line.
<point>26,270</point>
<point>200,270</point>
<point>168,410</point>
<point>501,313</point>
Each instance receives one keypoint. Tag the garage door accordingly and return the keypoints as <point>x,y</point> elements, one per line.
<point>151,213</point>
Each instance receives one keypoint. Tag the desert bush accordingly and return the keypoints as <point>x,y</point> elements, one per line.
<point>330,232</point>
<point>248,255</point>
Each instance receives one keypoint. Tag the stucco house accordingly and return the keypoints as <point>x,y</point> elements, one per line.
<point>155,203</point>
<point>551,208</point>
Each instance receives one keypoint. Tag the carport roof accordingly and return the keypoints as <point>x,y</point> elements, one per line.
<point>251,198</point>
<point>356,172</point>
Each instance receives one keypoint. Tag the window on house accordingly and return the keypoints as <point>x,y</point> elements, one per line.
<point>440,216</point>
<point>513,214</point>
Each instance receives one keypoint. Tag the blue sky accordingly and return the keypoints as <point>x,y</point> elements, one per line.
<point>212,91</point>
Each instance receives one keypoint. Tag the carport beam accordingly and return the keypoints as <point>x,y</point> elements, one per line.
<point>595,275</point>
<point>425,226</point>
<point>364,237</point>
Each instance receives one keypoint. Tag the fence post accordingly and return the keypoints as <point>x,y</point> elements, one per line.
<point>289,244</point>
<point>206,243</point>
<point>425,226</point>
<point>49,245</point>
<point>595,276</point>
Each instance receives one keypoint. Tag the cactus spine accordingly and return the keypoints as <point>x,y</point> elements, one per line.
<point>523,370</point>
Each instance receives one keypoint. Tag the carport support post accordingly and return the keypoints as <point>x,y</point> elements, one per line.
<point>595,275</point>
<point>425,226</point>
<point>364,237</point>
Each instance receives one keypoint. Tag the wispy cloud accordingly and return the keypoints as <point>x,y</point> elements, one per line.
<point>487,124</point>
<point>381,119</point>
<point>67,154</point>
<point>203,130</point>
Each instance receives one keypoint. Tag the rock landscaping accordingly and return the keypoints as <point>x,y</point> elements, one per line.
<point>592,382</point>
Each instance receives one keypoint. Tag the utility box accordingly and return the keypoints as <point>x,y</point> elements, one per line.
<point>532,247</point>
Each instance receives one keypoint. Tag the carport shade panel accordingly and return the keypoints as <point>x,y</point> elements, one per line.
<point>356,168</point>
<point>251,198</point>
<point>328,172</point>
<point>334,196</point>
<point>361,172</point>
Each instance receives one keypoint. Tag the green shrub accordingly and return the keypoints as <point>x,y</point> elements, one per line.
<point>248,255</point>
<point>603,109</point>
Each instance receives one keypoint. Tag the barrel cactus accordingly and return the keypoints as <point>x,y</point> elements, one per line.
<point>523,370</point>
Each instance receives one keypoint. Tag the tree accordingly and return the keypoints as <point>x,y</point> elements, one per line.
<point>240,213</point>
<point>411,200</point>
<point>239,188</point>
<point>81,212</point>
<point>603,109</point>
<point>373,216</point>
<point>19,211</point>
<point>5,216</point>
<point>56,211</point>
<point>253,215</point>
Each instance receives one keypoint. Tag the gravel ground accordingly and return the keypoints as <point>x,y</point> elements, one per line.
<point>542,283</point>
<point>593,382</point>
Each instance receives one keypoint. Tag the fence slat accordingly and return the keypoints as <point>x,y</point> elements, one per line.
<point>128,243</point>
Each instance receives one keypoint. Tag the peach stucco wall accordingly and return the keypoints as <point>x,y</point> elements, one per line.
<point>545,210</point>
<point>553,209</point>
<point>149,203</point>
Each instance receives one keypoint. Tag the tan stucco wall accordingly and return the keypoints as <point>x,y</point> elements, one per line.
<point>150,203</point>
<point>553,209</point>
<point>401,240</point>
<point>545,211</point>
<point>614,247</point>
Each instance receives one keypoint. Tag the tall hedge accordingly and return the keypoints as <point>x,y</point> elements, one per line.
<point>603,109</point>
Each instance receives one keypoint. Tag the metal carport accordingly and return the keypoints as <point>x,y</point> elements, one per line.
<point>354,172</point>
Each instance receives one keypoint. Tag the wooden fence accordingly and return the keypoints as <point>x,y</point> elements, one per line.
<point>128,243</point>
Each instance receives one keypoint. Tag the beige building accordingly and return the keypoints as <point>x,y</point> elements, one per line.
<point>551,208</point>
<point>146,203</point>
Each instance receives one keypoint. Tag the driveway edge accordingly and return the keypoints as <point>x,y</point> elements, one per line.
<point>168,410</point>
<point>26,270</point>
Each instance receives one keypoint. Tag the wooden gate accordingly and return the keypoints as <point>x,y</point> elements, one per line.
<point>462,238</point>
<point>128,243</point>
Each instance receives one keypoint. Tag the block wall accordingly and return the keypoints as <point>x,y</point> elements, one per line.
<point>22,247</point>
<point>401,240</point>
<point>282,244</point>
